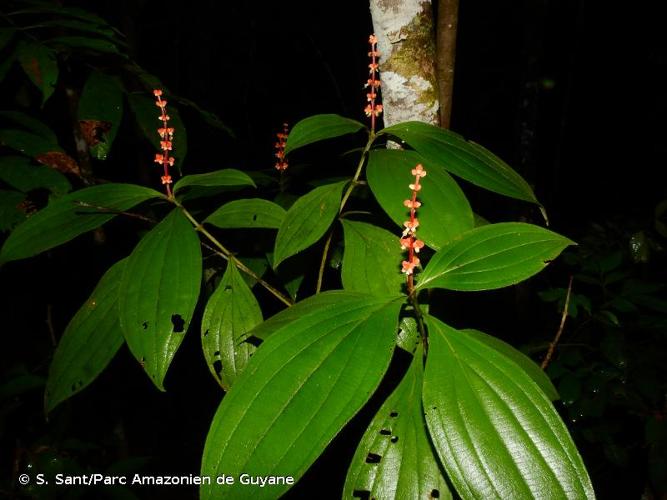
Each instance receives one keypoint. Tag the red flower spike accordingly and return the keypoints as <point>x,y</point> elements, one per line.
<point>373,110</point>
<point>408,240</point>
<point>166,135</point>
<point>281,165</point>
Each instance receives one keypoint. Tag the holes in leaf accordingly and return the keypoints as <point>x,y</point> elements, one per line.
<point>145,325</point>
<point>254,217</point>
<point>217,367</point>
<point>394,439</point>
<point>228,288</point>
<point>393,414</point>
<point>435,493</point>
<point>178,323</point>
<point>206,333</point>
<point>373,458</point>
<point>385,432</point>
<point>216,354</point>
<point>363,494</point>
<point>77,385</point>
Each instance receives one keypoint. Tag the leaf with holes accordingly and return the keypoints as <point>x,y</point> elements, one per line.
<point>493,256</point>
<point>231,312</point>
<point>72,215</point>
<point>318,128</point>
<point>395,458</point>
<point>529,366</point>
<point>445,212</point>
<point>158,293</point>
<point>225,178</point>
<point>146,113</point>
<point>307,220</point>
<point>372,260</point>
<point>442,148</point>
<point>495,431</point>
<point>39,63</point>
<point>89,343</point>
<point>248,213</point>
<point>100,112</point>
<point>321,362</point>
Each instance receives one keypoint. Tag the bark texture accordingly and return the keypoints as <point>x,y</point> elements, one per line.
<point>447,23</point>
<point>407,60</point>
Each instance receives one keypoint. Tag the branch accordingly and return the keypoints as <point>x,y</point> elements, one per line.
<point>552,346</point>
<point>446,26</point>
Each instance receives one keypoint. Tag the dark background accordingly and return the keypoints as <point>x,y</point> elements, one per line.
<point>570,93</point>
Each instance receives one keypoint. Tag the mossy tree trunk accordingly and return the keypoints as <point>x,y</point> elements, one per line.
<point>407,62</point>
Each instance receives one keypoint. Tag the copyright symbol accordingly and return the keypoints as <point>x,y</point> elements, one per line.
<point>24,479</point>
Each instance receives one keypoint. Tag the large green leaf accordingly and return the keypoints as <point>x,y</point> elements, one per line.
<point>11,209</point>
<point>147,113</point>
<point>395,458</point>
<point>101,106</point>
<point>159,291</point>
<point>448,150</point>
<point>231,312</point>
<point>307,220</point>
<point>323,360</point>
<point>228,177</point>
<point>531,368</point>
<point>70,216</point>
<point>31,124</point>
<point>372,260</point>
<point>90,341</point>
<point>492,256</point>
<point>20,173</point>
<point>39,63</point>
<point>28,143</point>
<point>248,213</point>
<point>495,431</point>
<point>445,212</point>
<point>318,128</point>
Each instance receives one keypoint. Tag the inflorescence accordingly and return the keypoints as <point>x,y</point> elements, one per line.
<point>409,239</point>
<point>281,162</point>
<point>166,138</point>
<point>373,110</point>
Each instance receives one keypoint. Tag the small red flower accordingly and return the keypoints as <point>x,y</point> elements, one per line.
<point>166,135</point>
<point>408,240</point>
<point>373,110</point>
<point>281,165</point>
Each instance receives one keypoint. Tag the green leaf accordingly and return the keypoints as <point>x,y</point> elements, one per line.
<point>102,101</point>
<point>445,212</point>
<point>323,360</point>
<point>83,26</point>
<point>372,260</point>
<point>395,458</point>
<point>31,124</point>
<point>70,216</point>
<point>231,312</point>
<point>408,334</point>
<point>318,128</point>
<point>146,114</point>
<point>27,143</point>
<point>248,213</point>
<point>89,343</point>
<point>307,220</point>
<point>20,173</point>
<point>445,149</point>
<point>10,209</point>
<point>493,256</point>
<point>62,11</point>
<point>158,293</point>
<point>495,431</point>
<point>84,43</point>
<point>529,366</point>
<point>39,63</point>
<point>228,177</point>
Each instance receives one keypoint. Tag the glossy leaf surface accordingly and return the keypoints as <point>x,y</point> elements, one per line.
<point>495,431</point>
<point>445,212</point>
<point>318,128</point>
<point>231,312</point>
<point>467,160</point>
<point>159,292</point>
<point>492,256</point>
<point>321,362</point>
<point>395,458</point>
<point>371,260</point>
<point>228,177</point>
<point>248,213</point>
<point>70,216</point>
<point>307,220</point>
<point>90,341</point>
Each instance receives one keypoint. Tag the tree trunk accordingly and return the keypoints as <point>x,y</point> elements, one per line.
<point>447,23</point>
<point>407,62</point>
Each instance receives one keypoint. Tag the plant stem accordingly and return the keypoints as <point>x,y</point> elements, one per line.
<point>230,257</point>
<point>552,346</point>
<point>420,321</point>
<point>353,183</point>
